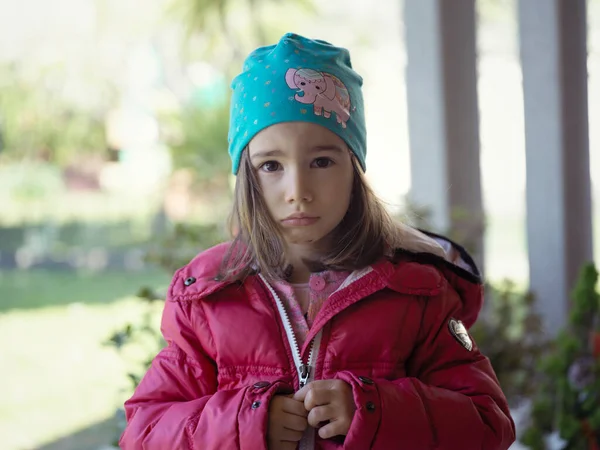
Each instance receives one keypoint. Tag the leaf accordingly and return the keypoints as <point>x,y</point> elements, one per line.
<point>534,439</point>
<point>147,293</point>
<point>135,379</point>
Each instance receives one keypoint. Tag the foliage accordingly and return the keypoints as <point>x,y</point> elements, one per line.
<point>142,332</point>
<point>511,335</point>
<point>567,398</point>
<point>37,121</point>
<point>183,243</point>
<point>197,136</point>
<point>232,28</point>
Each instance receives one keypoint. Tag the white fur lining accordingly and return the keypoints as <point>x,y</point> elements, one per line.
<point>453,256</point>
<point>415,241</point>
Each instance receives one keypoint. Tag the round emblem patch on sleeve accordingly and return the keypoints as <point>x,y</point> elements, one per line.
<point>460,333</point>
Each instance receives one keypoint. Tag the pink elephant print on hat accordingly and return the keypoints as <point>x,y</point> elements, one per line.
<point>323,90</point>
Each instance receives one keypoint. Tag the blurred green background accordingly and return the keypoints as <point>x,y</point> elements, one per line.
<point>114,172</point>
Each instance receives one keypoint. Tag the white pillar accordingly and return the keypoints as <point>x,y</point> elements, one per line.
<point>443,116</point>
<point>559,224</point>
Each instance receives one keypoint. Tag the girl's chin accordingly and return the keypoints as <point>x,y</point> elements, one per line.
<point>302,241</point>
<point>308,240</point>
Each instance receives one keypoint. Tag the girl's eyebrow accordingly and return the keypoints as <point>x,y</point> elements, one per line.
<point>318,148</point>
<point>267,153</point>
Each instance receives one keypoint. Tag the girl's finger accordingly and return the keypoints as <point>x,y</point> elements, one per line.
<point>334,428</point>
<point>296,423</point>
<point>292,406</point>
<point>321,414</point>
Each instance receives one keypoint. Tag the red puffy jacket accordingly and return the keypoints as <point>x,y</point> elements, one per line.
<point>416,381</point>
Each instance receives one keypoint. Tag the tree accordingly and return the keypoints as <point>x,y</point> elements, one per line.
<point>229,29</point>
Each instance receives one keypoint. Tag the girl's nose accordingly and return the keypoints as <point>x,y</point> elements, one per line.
<point>300,189</point>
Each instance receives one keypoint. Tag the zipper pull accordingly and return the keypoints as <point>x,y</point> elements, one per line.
<point>304,371</point>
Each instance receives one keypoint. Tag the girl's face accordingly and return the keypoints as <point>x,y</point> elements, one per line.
<point>305,172</point>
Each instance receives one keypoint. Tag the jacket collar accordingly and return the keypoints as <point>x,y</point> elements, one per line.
<point>422,274</point>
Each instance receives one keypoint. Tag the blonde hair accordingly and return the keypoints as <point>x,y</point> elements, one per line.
<point>366,233</point>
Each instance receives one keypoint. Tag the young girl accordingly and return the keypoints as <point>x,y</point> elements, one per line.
<point>323,324</point>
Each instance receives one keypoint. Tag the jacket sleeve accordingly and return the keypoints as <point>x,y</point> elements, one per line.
<point>177,404</point>
<point>450,399</point>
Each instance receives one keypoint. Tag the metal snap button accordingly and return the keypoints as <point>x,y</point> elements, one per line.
<point>366,380</point>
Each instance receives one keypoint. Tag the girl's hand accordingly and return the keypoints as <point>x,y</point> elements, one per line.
<point>329,402</point>
<point>287,422</point>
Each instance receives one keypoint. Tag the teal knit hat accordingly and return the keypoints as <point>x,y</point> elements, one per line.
<point>298,79</point>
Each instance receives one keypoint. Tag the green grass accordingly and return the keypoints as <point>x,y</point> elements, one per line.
<point>57,376</point>
<point>35,289</point>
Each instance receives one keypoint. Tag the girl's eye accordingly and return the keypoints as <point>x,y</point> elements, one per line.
<point>323,162</point>
<point>270,166</point>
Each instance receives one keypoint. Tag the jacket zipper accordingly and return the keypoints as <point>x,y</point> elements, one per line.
<point>305,370</point>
